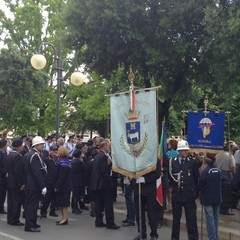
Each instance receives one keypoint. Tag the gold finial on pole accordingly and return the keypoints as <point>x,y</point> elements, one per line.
<point>205,104</point>
<point>131,75</point>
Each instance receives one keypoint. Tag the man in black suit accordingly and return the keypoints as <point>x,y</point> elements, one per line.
<point>148,201</point>
<point>184,176</point>
<point>36,186</point>
<point>15,183</point>
<point>103,187</point>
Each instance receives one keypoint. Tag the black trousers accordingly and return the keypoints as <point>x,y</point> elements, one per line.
<point>3,192</point>
<point>32,203</point>
<point>149,203</point>
<point>191,219</point>
<point>15,199</point>
<point>50,197</point>
<point>104,202</point>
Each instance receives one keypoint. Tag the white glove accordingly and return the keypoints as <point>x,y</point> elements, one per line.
<point>44,191</point>
<point>140,180</point>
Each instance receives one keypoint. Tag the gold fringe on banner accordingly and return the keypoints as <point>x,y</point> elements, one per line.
<point>201,150</point>
<point>133,174</point>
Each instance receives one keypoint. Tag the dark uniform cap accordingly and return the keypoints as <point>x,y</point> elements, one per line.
<point>3,143</point>
<point>17,142</point>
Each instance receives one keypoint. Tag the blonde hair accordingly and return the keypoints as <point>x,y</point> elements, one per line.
<point>62,152</point>
<point>60,141</point>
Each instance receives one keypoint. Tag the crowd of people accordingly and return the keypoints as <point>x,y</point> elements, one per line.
<point>50,175</point>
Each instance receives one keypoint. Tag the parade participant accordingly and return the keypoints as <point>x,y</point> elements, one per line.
<point>165,187</point>
<point>129,186</point>
<point>50,197</point>
<point>171,153</point>
<point>183,171</point>
<point>90,192</point>
<point>226,164</point>
<point>15,183</point>
<point>209,186</point>
<point>48,143</point>
<point>84,197</point>
<point>102,186</point>
<point>148,201</point>
<point>236,185</point>
<point>35,185</point>
<point>27,142</point>
<point>78,180</point>
<point>70,145</point>
<point>63,184</point>
<point>3,174</point>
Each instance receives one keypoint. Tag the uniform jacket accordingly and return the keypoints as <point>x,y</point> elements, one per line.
<point>63,183</point>
<point>150,186</point>
<point>183,179</point>
<point>36,171</point>
<point>3,170</point>
<point>15,168</point>
<point>209,186</point>
<point>236,183</point>
<point>78,173</point>
<point>101,178</point>
<point>51,171</point>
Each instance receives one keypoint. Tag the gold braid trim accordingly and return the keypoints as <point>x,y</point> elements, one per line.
<point>134,174</point>
<point>205,150</point>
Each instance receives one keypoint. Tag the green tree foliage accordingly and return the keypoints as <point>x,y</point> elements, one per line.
<point>161,40</point>
<point>186,47</point>
<point>29,96</point>
<point>189,48</point>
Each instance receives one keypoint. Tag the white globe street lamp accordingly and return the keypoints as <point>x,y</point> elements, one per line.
<point>38,61</point>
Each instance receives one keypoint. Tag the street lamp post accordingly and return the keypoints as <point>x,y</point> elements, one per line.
<point>38,61</point>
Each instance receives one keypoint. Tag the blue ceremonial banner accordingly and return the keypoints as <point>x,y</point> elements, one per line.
<point>134,133</point>
<point>206,131</point>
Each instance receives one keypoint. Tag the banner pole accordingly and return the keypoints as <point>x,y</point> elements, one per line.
<point>202,222</point>
<point>140,209</point>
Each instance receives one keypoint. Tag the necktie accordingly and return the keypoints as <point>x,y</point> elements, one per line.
<point>182,161</point>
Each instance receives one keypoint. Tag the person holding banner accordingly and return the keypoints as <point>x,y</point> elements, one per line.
<point>102,186</point>
<point>147,186</point>
<point>184,175</point>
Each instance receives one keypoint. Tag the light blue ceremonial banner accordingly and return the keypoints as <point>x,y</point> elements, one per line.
<point>206,131</point>
<point>134,134</point>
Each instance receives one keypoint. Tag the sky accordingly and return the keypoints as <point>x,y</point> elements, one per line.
<point>8,13</point>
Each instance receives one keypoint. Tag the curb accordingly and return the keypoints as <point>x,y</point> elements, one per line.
<point>224,233</point>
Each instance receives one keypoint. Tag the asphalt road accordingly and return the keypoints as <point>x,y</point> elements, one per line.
<point>80,227</point>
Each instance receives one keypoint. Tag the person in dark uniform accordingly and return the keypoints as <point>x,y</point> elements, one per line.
<point>103,187</point>
<point>50,197</point>
<point>3,174</point>
<point>165,188</point>
<point>209,186</point>
<point>35,185</point>
<point>63,184</point>
<point>148,201</point>
<point>27,142</point>
<point>78,180</point>
<point>90,192</point>
<point>15,183</point>
<point>184,175</point>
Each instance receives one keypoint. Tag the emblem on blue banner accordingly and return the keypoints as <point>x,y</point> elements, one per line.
<point>205,124</point>
<point>133,132</point>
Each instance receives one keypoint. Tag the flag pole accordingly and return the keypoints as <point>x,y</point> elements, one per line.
<point>140,209</point>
